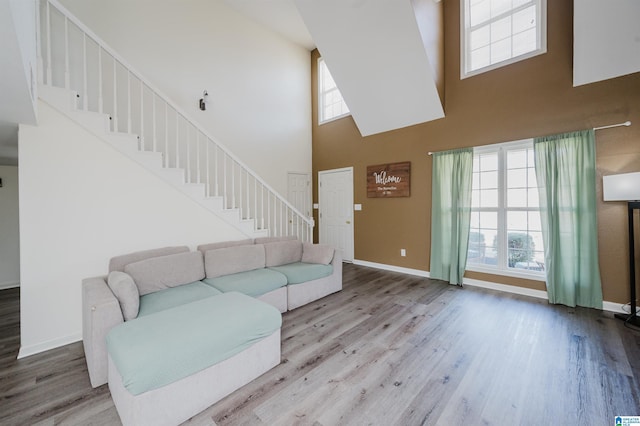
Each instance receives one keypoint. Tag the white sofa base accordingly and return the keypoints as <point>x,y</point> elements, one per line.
<point>276,298</point>
<point>301,294</point>
<point>177,402</point>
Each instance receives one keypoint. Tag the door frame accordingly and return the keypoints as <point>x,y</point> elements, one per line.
<point>348,257</point>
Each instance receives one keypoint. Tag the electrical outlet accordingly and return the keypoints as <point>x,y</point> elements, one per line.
<point>403,252</point>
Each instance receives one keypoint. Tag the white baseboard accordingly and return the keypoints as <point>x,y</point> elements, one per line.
<point>408,271</point>
<point>26,351</point>
<point>9,284</point>
<point>606,306</point>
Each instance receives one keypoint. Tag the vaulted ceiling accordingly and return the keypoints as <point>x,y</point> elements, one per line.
<point>384,55</point>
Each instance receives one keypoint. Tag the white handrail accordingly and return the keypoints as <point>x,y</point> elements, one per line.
<point>180,117</point>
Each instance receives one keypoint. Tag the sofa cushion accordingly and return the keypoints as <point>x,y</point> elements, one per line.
<point>231,260</point>
<point>252,283</point>
<point>265,240</point>
<point>162,272</point>
<point>317,253</point>
<point>175,296</point>
<point>119,262</point>
<point>283,252</point>
<point>159,349</point>
<point>299,272</point>
<point>125,290</point>
<point>212,246</point>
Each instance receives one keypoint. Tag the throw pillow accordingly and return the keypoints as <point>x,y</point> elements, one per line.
<point>158,273</point>
<point>317,253</point>
<point>126,292</point>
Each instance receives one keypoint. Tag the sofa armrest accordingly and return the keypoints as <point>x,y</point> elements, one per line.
<point>100,313</point>
<point>336,262</point>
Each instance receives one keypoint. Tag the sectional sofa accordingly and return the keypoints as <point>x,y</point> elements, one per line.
<point>173,331</point>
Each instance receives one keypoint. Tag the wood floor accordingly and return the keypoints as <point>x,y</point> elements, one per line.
<point>390,349</point>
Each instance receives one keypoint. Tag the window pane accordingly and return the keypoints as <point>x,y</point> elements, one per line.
<point>516,158</point>
<point>489,198</point>
<point>475,199</point>
<point>517,198</point>
<point>479,12</point>
<point>524,20</point>
<point>501,29</point>
<point>533,199</point>
<point>532,181</point>
<point>332,103</point>
<point>489,220</point>
<point>481,250</point>
<point>489,162</point>
<point>480,58</point>
<point>475,219</point>
<point>496,31</point>
<point>534,221</point>
<point>499,7</point>
<point>501,50</point>
<point>525,42</point>
<point>489,180</point>
<point>521,247</point>
<point>480,38</point>
<point>517,221</point>
<point>475,180</point>
<point>517,178</point>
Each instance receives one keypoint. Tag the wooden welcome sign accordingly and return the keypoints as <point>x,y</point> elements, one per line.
<point>389,180</point>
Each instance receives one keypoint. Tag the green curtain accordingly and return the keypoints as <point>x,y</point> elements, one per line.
<point>566,173</point>
<point>451,213</point>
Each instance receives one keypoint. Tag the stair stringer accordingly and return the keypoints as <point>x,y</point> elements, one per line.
<point>98,124</point>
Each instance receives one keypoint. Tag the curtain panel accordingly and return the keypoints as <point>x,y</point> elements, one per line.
<point>566,173</point>
<point>450,214</point>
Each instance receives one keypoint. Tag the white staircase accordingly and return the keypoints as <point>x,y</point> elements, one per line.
<point>66,101</point>
<point>88,82</point>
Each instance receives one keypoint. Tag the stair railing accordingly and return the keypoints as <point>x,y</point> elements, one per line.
<point>71,56</point>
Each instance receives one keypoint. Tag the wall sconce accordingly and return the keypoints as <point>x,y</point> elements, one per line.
<point>204,100</point>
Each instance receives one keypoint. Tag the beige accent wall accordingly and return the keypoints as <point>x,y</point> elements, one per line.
<point>531,98</point>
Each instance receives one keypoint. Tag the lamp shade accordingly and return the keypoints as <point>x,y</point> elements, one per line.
<point>623,187</point>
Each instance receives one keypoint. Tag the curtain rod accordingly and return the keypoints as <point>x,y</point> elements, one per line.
<point>626,123</point>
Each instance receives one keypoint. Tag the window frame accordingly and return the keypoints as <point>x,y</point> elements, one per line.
<point>465,35</point>
<point>321,96</point>
<point>502,210</point>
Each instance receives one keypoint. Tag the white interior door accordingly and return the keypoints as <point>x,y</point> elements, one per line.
<point>299,191</point>
<point>335,197</point>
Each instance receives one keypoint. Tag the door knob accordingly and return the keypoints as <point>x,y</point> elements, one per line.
<point>348,222</point>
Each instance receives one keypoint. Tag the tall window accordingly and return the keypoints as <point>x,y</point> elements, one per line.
<point>506,233</point>
<point>332,106</point>
<point>499,32</point>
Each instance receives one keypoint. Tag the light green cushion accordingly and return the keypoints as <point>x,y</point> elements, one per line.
<point>299,272</point>
<point>252,283</point>
<point>174,296</point>
<point>156,350</point>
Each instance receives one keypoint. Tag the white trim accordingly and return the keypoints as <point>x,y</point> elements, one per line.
<point>615,307</point>
<point>409,271</point>
<point>9,284</point>
<point>26,351</point>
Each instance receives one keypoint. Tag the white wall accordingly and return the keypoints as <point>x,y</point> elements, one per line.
<point>259,84</point>
<point>81,203</point>
<point>9,228</point>
<point>606,39</point>
<point>18,73</point>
